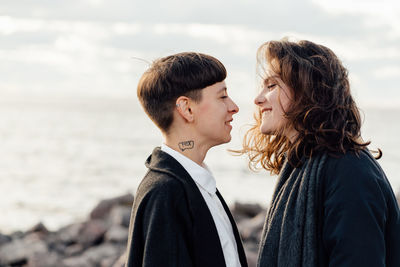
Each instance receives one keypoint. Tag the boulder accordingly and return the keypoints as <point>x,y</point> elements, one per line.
<point>117,234</point>
<point>92,233</point>
<point>95,256</point>
<point>120,215</point>
<point>38,228</point>
<point>19,251</point>
<point>251,257</point>
<point>246,209</point>
<point>44,260</point>
<point>121,260</point>
<point>250,229</point>
<point>74,250</point>
<point>102,210</point>
<point>77,261</point>
<point>70,234</point>
<point>4,239</point>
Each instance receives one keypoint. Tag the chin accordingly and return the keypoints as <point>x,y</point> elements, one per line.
<point>266,131</point>
<point>225,140</point>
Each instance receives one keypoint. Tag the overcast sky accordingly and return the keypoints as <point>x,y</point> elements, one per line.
<point>89,47</point>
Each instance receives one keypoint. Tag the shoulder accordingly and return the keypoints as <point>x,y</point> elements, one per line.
<point>354,176</point>
<point>353,167</point>
<point>160,187</point>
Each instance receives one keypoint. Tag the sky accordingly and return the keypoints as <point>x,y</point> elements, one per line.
<point>65,53</point>
<point>99,48</point>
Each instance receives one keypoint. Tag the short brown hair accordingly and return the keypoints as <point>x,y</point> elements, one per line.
<point>183,74</point>
<point>323,111</point>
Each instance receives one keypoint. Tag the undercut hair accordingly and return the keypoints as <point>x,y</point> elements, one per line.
<point>182,74</point>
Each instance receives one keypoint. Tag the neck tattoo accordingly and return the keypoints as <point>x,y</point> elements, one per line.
<point>186,145</point>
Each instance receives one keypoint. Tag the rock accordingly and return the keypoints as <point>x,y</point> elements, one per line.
<point>95,256</point>
<point>4,239</point>
<point>17,235</point>
<point>92,233</point>
<point>101,241</point>
<point>108,262</point>
<point>101,211</point>
<point>117,234</point>
<point>250,229</point>
<point>21,250</point>
<point>70,234</point>
<point>38,228</point>
<point>120,215</point>
<point>248,210</point>
<point>44,260</point>
<point>121,260</point>
<point>74,250</point>
<point>78,261</point>
<point>251,258</point>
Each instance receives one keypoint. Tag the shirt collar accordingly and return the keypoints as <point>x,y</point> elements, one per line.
<point>200,174</point>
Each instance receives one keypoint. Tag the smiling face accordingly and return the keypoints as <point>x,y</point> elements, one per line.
<point>214,114</point>
<point>274,100</point>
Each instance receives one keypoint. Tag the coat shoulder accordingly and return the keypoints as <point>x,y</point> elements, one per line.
<point>160,185</point>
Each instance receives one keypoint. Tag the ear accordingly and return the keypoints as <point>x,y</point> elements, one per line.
<point>183,106</point>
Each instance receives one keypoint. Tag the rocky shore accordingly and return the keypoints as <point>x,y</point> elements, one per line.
<point>101,240</point>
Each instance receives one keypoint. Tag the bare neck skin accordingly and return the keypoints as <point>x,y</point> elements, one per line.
<point>188,145</point>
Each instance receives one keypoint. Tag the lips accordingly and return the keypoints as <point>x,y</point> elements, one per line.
<point>229,122</point>
<point>266,110</point>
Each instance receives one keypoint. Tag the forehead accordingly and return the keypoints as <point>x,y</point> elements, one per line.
<point>270,71</point>
<point>215,88</point>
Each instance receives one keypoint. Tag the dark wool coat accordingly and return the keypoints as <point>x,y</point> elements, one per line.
<point>359,221</point>
<point>171,224</point>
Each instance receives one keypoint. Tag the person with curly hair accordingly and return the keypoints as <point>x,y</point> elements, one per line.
<point>332,205</point>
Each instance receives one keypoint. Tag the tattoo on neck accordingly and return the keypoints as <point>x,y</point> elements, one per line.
<point>186,145</point>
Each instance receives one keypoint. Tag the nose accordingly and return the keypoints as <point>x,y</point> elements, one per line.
<point>260,98</point>
<point>233,107</point>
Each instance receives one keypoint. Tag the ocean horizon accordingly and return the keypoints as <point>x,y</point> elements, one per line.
<point>61,155</point>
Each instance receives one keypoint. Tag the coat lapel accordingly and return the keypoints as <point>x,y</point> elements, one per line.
<point>242,255</point>
<point>207,250</point>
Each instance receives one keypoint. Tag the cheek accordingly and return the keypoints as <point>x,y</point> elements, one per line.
<point>204,108</point>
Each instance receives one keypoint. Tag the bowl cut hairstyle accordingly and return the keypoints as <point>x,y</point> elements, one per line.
<point>182,74</point>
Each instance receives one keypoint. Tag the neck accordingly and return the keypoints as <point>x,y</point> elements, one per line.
<point>188,146</point>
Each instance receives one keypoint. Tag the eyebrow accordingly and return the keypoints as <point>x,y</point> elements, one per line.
<point>273,78</point>
<point>222,89</point>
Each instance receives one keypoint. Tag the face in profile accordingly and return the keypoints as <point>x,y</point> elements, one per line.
<point>214,114</point>
<point>273,101</point>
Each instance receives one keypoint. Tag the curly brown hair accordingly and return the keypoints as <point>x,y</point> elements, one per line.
<point>322,112</point>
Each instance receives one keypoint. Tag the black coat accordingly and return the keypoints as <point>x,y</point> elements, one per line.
<point>359,221</point>
<point>171,224</point>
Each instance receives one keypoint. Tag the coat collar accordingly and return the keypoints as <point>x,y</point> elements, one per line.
<point>204,231</point>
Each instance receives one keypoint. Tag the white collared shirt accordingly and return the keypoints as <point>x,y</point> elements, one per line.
<point>205,181</point>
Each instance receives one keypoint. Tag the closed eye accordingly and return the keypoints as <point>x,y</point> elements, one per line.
<point>271,86</point>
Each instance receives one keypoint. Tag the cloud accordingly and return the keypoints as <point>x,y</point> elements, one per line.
<point>70,45</point>
<point>390,71</point>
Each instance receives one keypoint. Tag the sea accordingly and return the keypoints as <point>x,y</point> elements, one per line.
<point>61,155</point>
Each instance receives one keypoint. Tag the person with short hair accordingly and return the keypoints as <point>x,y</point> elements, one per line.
<point>179,218</point>
<point>332,205</point>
